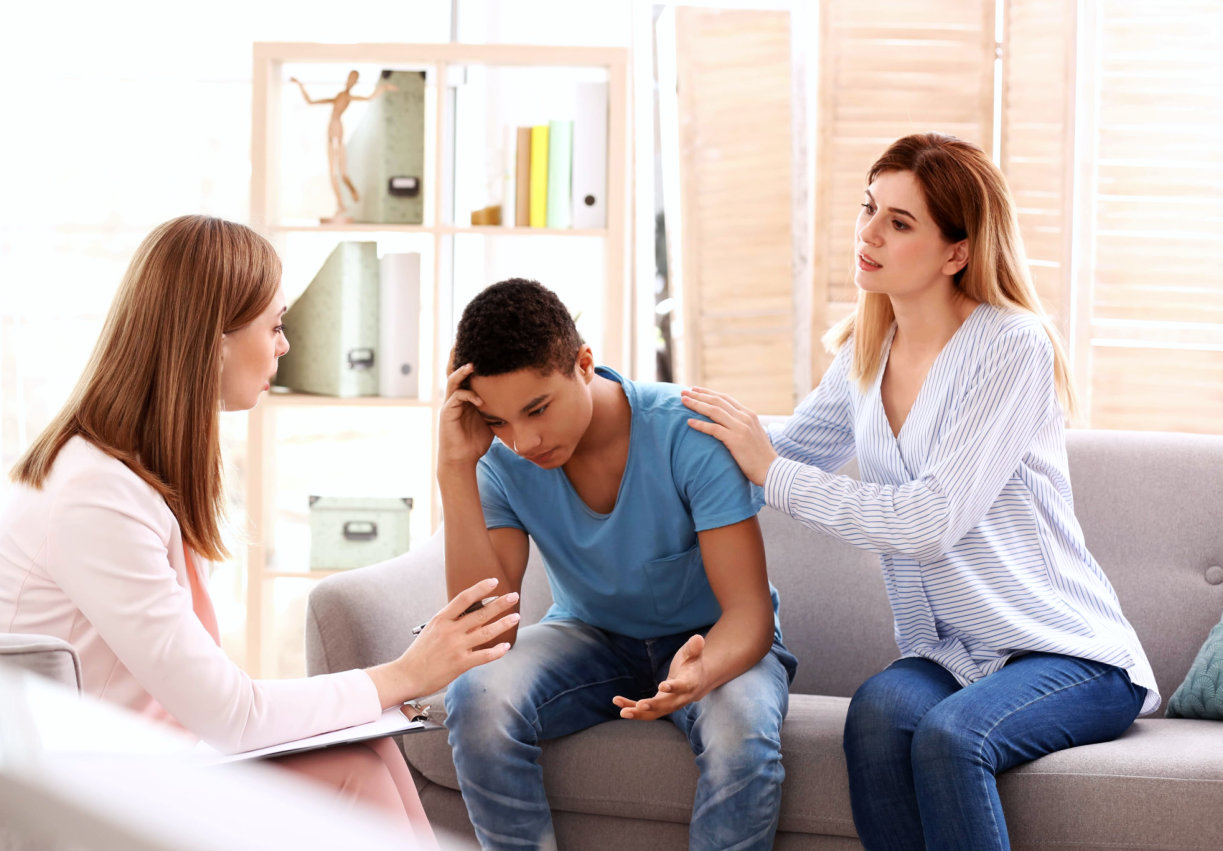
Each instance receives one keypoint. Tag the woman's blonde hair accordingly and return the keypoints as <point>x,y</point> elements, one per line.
<point>968,198</point>
<point>151,393</point>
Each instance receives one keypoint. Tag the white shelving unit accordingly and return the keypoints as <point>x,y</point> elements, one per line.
<point>447,68</point>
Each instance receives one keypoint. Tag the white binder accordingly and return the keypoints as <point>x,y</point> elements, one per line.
<point>590,156</point>
<point>399,325</point>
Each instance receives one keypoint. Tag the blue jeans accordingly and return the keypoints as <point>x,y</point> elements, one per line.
<point>560,678</point>
<point>923,751</point>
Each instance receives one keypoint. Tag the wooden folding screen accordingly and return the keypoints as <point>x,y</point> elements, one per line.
<point>1036,151</point>
<point>733,75</point>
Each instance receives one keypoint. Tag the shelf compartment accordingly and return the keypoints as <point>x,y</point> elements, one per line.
<point>307,400</point>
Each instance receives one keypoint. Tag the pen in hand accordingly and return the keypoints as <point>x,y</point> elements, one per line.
<point>479,604</point>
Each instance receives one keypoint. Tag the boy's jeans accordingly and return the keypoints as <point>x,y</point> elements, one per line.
<point>560,678</point>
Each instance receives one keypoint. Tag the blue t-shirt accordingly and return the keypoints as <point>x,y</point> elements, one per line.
<point>636,571</point>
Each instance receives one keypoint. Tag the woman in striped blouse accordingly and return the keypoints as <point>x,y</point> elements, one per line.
<point>950,388</point>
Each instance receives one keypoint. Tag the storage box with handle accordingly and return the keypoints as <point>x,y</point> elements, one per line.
<point>348,532</point>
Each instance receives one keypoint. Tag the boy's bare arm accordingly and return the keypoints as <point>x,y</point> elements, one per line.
<point>735,564</point>
<point>473,552</point>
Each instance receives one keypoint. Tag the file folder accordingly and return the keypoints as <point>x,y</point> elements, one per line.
<point>333,327</point>
<point>386,155</point>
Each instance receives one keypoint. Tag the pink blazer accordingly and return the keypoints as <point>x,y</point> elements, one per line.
<point>96,557</point>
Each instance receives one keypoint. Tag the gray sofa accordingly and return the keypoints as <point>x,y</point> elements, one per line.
<point>1150,508</point>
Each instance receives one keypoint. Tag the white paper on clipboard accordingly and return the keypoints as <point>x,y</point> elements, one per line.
<point>393,722</point>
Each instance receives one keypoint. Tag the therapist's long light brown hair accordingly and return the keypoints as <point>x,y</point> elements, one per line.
<point>151,393</point>
<point>968,198</point>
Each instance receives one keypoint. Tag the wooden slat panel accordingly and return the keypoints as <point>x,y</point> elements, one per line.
<point>1158,227</point>
<point>1125,144</point>
<point>740,360</point>
<point>733,70</point>
<point>1153,232</point>
<point>912,14</point>
<point>1037,149</point>
<point>1160,389</point>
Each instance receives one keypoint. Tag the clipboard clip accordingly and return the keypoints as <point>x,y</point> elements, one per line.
<point>415,711</point>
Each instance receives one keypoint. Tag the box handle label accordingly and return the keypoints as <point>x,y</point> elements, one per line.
<point>360,530</point>
<point>361,359</point>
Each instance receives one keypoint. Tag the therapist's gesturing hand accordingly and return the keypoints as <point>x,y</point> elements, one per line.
<point>451,643</point>
<point>684,684</point>
<point>736,426</point>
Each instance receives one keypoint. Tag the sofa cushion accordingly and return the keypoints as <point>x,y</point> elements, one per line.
<point>1201,694</point>
<point>1167,769</point>
<point>599,770</point>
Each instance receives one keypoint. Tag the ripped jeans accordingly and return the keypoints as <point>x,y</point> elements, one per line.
<point>560,678</point>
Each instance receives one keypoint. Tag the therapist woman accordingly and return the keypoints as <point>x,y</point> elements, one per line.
<point>106,540</point>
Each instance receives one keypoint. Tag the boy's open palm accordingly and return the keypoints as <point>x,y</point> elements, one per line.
<point>682,685</point>
<point>463,436</point>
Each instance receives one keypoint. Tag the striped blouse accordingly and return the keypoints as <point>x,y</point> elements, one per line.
<point>969,508</point>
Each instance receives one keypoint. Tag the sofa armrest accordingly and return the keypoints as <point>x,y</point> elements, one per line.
<point>365,616</point>
<point>42,654</point>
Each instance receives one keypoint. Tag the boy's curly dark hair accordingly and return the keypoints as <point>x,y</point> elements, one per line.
<point>516,324</point>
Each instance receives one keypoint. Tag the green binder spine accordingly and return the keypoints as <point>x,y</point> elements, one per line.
<point>560,174</point>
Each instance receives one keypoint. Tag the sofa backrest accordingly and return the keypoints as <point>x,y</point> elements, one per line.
<point>1151,507</point>
<point>1149,504</point>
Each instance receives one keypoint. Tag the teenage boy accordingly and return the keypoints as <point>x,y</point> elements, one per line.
<point>661,605</point>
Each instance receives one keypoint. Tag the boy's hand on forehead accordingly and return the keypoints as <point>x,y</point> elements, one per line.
<point>463,435</point>
<point>451,369</point>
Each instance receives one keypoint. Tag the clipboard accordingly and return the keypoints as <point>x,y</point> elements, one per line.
<point>398,720</point>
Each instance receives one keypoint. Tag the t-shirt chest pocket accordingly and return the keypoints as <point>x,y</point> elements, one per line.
<point>674,581</point>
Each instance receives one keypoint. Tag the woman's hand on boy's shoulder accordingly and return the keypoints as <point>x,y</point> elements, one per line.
<point>737,426</point>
